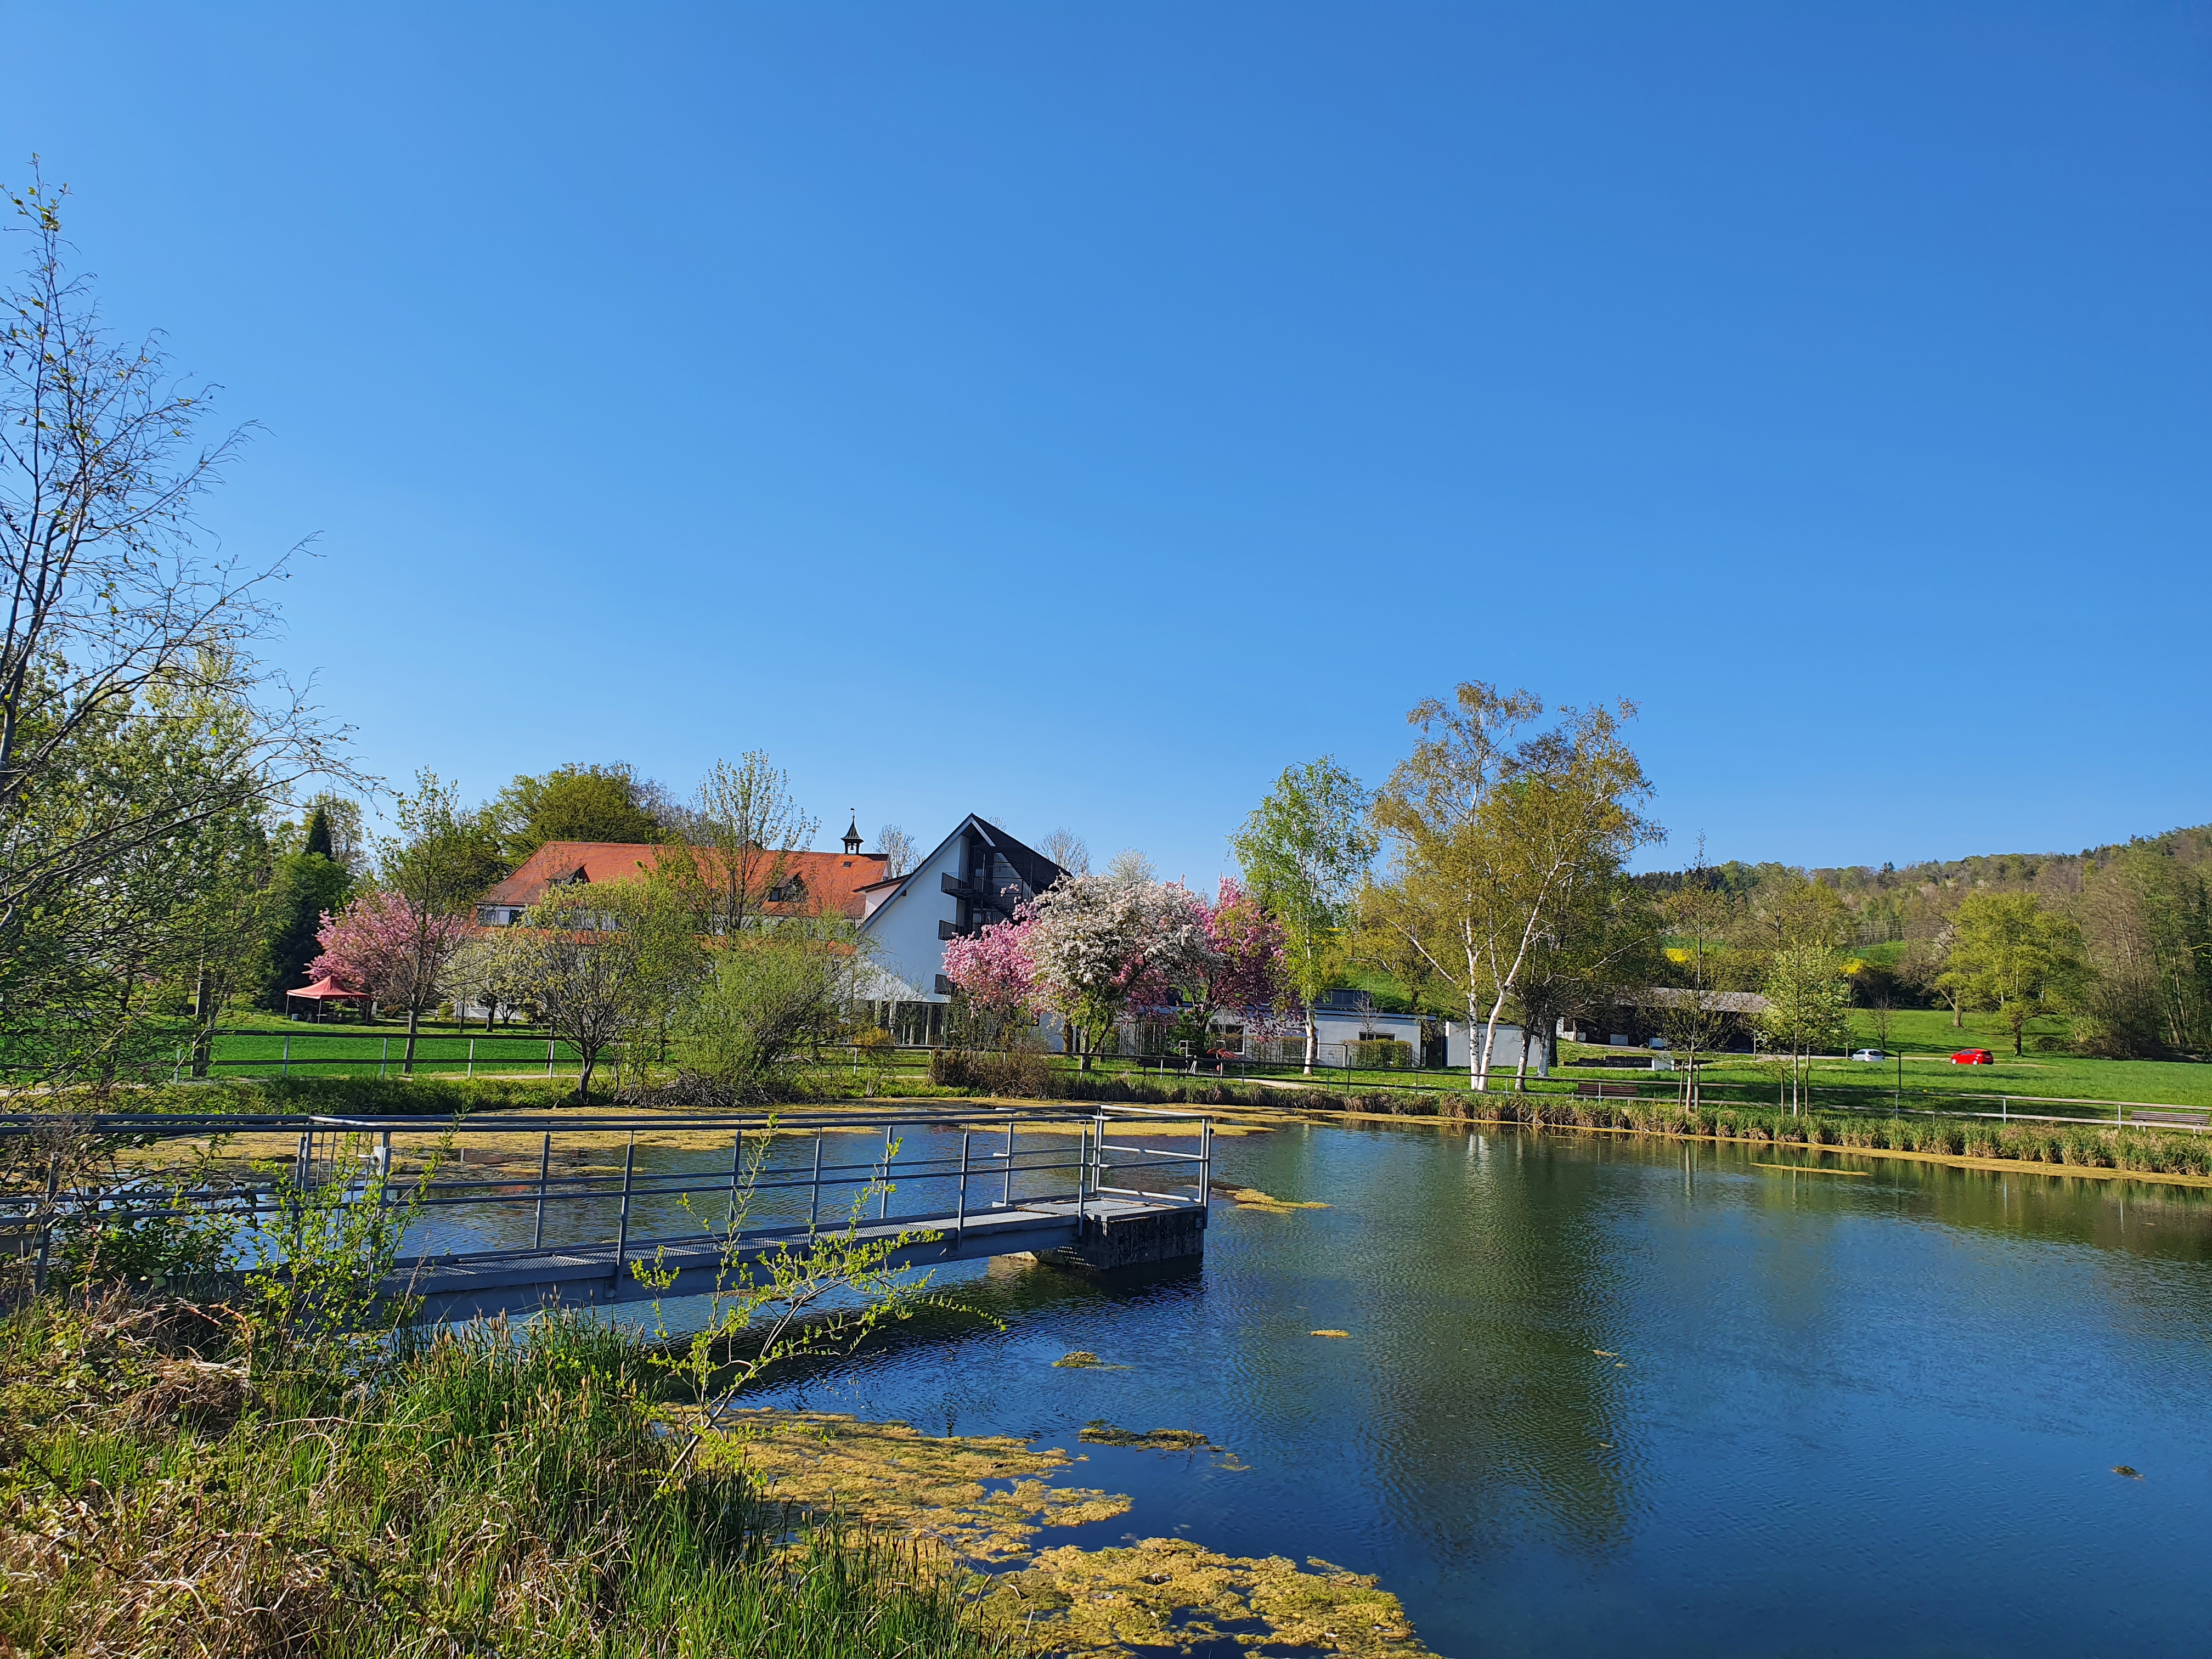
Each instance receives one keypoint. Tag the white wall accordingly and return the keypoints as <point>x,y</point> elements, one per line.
<point>905,927</point>
<point>1334,1025</point>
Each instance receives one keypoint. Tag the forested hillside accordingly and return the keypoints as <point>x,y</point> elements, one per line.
<point>2121,934</point>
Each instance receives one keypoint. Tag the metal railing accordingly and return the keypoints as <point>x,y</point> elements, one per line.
<point>945,1171</point>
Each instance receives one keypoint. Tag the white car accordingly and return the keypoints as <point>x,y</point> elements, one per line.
<point>1869,1053</point>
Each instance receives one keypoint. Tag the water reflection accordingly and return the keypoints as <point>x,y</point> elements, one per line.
<point>1600,1390</point>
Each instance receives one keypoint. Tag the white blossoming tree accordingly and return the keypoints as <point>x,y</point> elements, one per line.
<point>1100,945</point>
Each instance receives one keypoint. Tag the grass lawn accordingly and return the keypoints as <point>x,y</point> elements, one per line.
<point>357,1050</point>
<point>1924,1037</point>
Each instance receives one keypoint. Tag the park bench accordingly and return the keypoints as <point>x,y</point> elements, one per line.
<point>1606,1091</point>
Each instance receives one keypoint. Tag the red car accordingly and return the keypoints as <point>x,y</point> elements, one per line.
<point>1973,1057</point>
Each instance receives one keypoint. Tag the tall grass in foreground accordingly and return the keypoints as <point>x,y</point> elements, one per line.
<point>488,1490</point>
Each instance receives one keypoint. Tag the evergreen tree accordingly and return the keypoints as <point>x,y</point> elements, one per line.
<point>302,887</point>
<point>318,833</point>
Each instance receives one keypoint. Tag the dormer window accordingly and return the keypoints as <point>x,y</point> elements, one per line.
<point>790,890</point>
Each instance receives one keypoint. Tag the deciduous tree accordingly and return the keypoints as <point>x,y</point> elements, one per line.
<point>1303,850</point>
<point>440,861</point>
<point>593,960</point>
<point>578,802</point>
<point>745,825</point>
<point>1242,971</point>
<point>769,995</point>
<point>992,970</point>
<point>133,713</point>
<point>385,946</point>
<point>2010,955</point>
<point>1493,834</point>
<point>1808,1009</point>
<point>1697,971</point>
<point>1068,850</point>
<point>1099,945</point>
<point>897,848</point>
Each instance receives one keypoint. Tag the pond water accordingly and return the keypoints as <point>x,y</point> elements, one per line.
<point>1603,1394</point>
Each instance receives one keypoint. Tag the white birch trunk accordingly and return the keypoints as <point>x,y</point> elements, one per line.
<point>1490,1035</point>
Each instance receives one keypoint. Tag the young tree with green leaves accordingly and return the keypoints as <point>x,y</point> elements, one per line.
<point>484,972</point>
<point>767,996</point>
<point>1809,1004</point>
<point>1694,971</point>
<point>1303,851</point>
<point>2010,955</point>
<point>744,826</point>
<point>601,963</point>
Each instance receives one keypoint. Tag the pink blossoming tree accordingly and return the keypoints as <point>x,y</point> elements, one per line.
<point>992,971</point>
<point>385,947</point>
<point>1242,973</point>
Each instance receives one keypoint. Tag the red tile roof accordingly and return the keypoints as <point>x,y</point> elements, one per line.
<point>834,879</point>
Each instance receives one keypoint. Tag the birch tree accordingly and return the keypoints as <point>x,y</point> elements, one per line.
<point>1492,835</point>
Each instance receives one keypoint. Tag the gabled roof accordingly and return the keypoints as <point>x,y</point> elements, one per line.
<point>832,878</point>
<point>1035,869</point>
<point>1031,866</point>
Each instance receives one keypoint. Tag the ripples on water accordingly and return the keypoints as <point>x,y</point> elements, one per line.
<point>1604,1394</point>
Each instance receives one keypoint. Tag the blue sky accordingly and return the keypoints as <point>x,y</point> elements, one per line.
<point>1078,415</point>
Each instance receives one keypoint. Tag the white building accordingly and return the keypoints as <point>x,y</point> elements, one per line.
<point>1344,1017</point>
<point>974,877</point>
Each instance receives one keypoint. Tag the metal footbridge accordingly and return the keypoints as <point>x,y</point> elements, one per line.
<point>512,1213</point>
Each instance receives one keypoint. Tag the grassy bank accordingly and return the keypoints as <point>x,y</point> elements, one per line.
<point>360,1096</point>
<point>2071,1146</point>
<point>165,1491</point>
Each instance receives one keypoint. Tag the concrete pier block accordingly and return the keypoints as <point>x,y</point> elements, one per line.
<point>1134,1241</point>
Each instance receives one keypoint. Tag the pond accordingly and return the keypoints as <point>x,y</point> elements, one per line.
<point>1600,1393</point>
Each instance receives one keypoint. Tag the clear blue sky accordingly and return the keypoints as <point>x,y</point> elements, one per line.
<point>1078,414</point>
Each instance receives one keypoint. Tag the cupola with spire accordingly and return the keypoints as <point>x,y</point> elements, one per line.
<point>853,835</point>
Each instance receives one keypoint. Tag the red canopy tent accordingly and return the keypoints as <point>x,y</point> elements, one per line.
<point>323,991</point>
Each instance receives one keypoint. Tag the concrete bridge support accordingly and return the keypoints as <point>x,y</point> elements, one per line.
<point>1134,1241</point>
